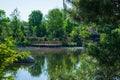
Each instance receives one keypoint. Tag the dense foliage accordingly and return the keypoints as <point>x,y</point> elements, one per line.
<point>95,23</point>
<point>102,11</point>
<point>55,23</point>
<point>55,26</point>
<point>10,33</point>
<point>103,17</point>
<point>35,19</point>
<point>14,33</point>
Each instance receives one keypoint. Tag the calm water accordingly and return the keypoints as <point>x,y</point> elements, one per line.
<point>50,64</point>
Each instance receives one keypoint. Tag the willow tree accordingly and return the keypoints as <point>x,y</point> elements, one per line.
<point>105,15</point>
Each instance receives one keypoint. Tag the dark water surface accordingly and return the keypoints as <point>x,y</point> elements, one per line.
<point>50,64</point>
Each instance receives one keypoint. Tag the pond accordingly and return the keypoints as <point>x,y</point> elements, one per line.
<point>50,64</point>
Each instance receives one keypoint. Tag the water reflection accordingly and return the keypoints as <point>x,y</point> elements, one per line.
<point>36,69</point>
<point>50,64</point>
<point>28,74</point>
<point>59,64</point>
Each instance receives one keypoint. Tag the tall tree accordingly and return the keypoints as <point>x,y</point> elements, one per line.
<point>2,16</point>
<point>55,23</point>
<point>41,32</point>
<point>69,25</point>
<point>7,48</point>
<point>35,19</point>
<point>16,26</point>
<point>95,10</point>
<point>4,29</point>
<point>105,16</point>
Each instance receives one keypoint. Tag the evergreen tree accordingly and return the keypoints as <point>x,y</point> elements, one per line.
<point>17,29</point>
<point>103,16</point>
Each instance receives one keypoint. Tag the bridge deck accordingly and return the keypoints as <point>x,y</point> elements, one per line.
<point>46,45</point>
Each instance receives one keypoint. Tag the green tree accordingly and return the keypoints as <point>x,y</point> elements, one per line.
<point>8,54</point>
<point>16,27</point>
<point>55,23</point>
<point>35,19</point>
<point>8,50</point>
<point>69,25</point>
<point>4,29</point>
<point>2,16</point>
<point>106,11</point>
<point>41,32</point>
<point>105,15</point>
<point>25,28</point>
<point>75,35</point>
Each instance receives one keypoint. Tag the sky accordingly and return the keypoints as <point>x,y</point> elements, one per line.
<point>27,6</point>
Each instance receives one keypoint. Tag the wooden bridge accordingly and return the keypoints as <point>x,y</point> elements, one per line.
<point>45,45</point>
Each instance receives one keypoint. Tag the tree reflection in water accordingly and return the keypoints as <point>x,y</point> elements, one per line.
<point>9,72</point>
<point>60,65</point>
<point>36,69</point>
